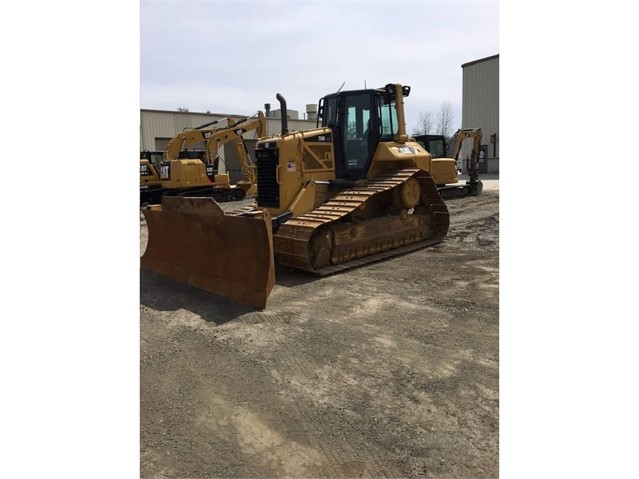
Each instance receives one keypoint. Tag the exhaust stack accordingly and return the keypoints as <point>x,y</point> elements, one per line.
<point>284,113</point>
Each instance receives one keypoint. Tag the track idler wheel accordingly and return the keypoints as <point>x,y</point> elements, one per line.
<point>410,193</point>
<point>407,195</point>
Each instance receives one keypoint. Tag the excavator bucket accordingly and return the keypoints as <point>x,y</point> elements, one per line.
<point>191,240</point>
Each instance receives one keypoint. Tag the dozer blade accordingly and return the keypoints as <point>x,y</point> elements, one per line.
<point>192,241</point>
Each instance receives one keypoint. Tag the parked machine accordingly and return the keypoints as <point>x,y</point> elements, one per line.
<point>353,190</point>
<point>150,171</point>
<point>183,174</point>
<point>446,178</point>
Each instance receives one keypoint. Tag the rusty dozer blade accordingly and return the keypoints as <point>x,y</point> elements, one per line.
<point>192,241</point>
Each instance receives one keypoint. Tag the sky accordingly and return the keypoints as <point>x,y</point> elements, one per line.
<point>76,75</point>
<point>233,57</point>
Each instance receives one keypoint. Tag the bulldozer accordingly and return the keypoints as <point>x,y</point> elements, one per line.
<point>183,174</point>
<point>445,176</point>
<point>353,190</point>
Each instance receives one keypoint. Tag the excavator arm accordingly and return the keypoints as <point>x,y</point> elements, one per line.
<point>463,134</point>
<point>235,133</point>
<point>259,125</point>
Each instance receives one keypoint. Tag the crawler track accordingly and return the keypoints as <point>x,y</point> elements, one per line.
<point>365,224</point>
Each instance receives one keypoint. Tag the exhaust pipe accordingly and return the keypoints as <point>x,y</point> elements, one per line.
<point>283,114</point>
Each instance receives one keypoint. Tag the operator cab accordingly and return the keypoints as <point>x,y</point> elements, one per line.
<point>359,120</point>
<point>154,157</point>
<point>433,144</point>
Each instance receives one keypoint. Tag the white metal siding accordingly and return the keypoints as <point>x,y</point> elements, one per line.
<point>162,125</point>
<point>166,124</point>
<point>480,104</point>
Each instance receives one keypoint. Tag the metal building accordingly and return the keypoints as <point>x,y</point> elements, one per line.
<point>480,108</point>
<point>157,127</point>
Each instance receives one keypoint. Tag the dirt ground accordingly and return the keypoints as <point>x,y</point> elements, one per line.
<point>389,370</point>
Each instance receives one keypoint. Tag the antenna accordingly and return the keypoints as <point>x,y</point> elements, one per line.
<point>364,84</point>
<point>341,87</point>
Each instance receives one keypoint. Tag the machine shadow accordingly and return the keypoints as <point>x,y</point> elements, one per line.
<point>288,277</point>
<point>163,294</point>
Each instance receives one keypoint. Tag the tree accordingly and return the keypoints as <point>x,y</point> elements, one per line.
<point>445,119</point>
<point>441,125</point>
<point>425,124</point>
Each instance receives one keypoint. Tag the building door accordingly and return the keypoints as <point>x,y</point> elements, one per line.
<point>482,161</point>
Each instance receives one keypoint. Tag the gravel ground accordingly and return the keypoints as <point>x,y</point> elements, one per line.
<point>389,370</point>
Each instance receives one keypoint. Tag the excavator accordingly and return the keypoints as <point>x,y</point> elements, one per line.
<point>444,174</point>
<point>353,190</point>
<point>150,171</point>
<point>180,175</point>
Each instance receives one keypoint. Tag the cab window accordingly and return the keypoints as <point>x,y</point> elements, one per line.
<point>388,117</point>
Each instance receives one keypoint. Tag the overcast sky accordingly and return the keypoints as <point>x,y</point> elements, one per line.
<point>233,57</point>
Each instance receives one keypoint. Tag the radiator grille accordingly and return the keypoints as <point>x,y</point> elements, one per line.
<point>268,192</point>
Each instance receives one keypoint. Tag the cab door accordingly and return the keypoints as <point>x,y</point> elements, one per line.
<point>358,139</point>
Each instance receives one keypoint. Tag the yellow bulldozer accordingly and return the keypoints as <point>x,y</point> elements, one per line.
<point>353,190</point>
<point>178,175</point>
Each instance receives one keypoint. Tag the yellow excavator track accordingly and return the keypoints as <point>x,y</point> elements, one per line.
<point>394,213</point>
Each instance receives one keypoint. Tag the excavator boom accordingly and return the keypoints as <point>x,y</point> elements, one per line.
<point>190,136</point>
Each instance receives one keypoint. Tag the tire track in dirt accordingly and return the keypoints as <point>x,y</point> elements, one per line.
<point>335,436</point>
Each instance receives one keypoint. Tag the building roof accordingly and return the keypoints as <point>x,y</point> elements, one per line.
<point>480,60</point>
